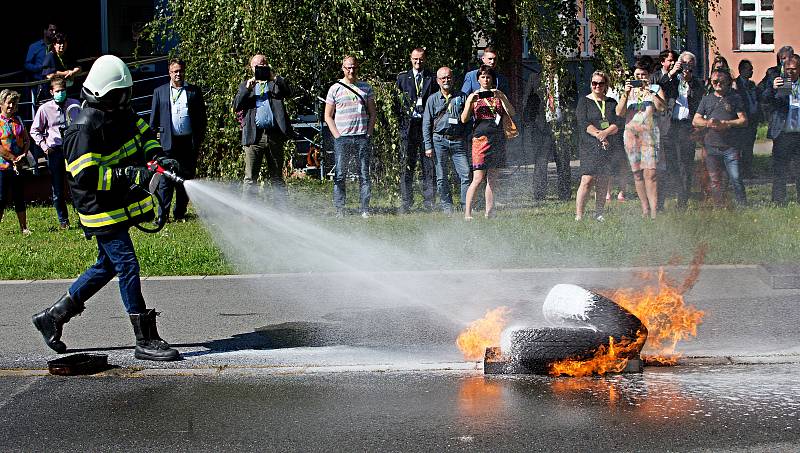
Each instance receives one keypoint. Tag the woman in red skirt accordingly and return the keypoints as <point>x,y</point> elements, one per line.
<point>488,106</point>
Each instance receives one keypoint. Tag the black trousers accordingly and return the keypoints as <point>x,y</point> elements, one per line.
<point>785,161</point>
<point>411,152</point>
<point>679,151</point>
<point>182,151</point>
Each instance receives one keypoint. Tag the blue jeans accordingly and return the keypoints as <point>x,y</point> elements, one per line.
<point>718,159</point>
<point>445,148</point>
<point>345,149</point>
<point>115,257</point>
<point>58,169</point>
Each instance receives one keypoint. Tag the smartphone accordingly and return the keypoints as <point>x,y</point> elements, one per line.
<point>262,73</point>
<point>636,83</point>
<point>486,94</point>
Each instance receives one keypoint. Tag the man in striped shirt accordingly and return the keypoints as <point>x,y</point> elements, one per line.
<point>350,116</point>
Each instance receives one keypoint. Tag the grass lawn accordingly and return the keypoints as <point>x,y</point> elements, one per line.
<point>520,236</point>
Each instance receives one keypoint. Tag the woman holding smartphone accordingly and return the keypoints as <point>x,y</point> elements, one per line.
<point>488,106</point>
<point>638,104</point>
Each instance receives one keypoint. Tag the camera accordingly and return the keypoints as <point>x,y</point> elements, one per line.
<point>262,73</point>
<point>486,94</point>
<point>636,83</point>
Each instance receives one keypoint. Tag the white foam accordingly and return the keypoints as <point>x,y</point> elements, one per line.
<point>568,305</point>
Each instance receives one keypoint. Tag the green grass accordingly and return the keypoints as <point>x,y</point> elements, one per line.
<point>521,236</point>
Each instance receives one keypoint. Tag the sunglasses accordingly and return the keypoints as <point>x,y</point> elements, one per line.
<point>598,84</point>
<point>718,81</point>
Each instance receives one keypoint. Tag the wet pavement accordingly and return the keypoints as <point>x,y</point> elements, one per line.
<point>707,408</point>
<point>328,362</point>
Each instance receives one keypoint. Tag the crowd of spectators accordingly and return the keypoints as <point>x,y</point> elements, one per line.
<point>647,127</point>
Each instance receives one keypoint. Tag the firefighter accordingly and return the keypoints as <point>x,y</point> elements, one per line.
<point>107,148</point>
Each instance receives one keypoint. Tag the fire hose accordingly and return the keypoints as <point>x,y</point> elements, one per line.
<point>157,169</point>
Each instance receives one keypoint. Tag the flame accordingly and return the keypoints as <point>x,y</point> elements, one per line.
<point>611,359</point>
<point>662,310</point>
<point>483,333</point>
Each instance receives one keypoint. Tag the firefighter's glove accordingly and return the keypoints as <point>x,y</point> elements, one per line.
<point>169,164</point>
<point>139,176</point>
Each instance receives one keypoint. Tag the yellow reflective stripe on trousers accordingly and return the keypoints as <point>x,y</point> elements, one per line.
<point>104,179</point>
<point>116,216</point>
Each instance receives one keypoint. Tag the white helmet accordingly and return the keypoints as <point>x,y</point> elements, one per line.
<point>108,82</point>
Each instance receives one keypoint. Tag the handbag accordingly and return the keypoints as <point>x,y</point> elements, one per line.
<point>509,127</point>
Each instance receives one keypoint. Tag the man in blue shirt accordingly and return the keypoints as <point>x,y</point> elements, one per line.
<point>444,134</point>
<point>37,51</point>
<point>489,58</point>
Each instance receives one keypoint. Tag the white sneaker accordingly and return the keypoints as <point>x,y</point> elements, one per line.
<point>365,215</point>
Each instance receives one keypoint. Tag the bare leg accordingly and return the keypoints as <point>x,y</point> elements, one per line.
<point>491,185</point>
<point>638,181</point>
<point>651,187</point>
<point>583,192</point>
<point>477,179</point>
<point>23,220</point>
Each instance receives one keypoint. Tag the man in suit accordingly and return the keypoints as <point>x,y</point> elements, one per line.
<point>178,114</point>
<point>265,127</point>
<point>415,85</point>
<point>489,58</point>
<point>783,97</point>
<point>684,91</point>
<point>747,90</point>
<point>775,71</point>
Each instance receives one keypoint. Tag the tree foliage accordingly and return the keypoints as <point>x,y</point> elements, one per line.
<point>304,41</point>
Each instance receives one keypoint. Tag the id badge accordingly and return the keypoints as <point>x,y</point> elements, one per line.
<point>419,102</point>
<point>452,121</point>
<point>604,124</point>
<point>360,108</point>
<point>794,101</point>
<point>497,119</point>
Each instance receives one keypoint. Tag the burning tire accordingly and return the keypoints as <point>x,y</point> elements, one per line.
<point>536,349</point>
<point>586,321</point>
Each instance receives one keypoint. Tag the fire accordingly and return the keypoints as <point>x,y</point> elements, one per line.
<point>483,333</point>
<point>662,310</point>
<point>611,359</point>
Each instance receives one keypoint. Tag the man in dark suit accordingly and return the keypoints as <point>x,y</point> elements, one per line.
<point>178,114</point>
<point>684,91</point>
<point>775,71</point>
<point>747,90</point>
<point>783,97</point>
<point>265,127</point>
<point>415,85</point>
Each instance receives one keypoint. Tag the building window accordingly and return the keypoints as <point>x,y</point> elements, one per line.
<point>755,25</point>
<point>652,32</point>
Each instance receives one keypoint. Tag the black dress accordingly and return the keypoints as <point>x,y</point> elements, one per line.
<point>594,159</point>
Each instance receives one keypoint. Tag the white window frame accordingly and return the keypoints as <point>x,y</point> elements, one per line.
<point>649,20</point>
<point>758,15</point>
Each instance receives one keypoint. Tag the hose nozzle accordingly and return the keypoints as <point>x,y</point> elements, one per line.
<point>153,166</point>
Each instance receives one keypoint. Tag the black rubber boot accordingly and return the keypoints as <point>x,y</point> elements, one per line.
<point>149,346</point>
<point>50,321</point>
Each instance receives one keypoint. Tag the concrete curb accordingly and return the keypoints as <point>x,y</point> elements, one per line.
<point>408,272</point>
<point>454,367</point>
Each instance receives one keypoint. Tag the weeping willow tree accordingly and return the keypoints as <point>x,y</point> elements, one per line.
<point>304,41</point>
<point>554,32</point>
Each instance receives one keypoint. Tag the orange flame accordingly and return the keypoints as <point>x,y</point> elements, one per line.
<point>483,333</point>
<point>662,310</point>
<point>611,359</point>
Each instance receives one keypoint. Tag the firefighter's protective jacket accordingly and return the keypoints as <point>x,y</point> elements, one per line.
<point>96,143</point>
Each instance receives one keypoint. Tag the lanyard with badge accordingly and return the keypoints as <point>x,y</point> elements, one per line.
<point>176,96</point>
<point>418,86</point>
<point>451,119</point>
<point>493,109</point>
<point>604,124</point>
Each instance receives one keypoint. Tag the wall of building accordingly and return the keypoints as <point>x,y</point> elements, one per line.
<point>787,32</point>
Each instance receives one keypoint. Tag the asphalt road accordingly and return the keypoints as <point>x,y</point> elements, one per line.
<point>715,408</point>
<point>396,319</point>
<point>350,362</point>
